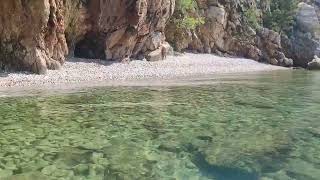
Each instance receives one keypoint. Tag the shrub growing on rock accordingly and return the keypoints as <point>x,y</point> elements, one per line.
<point>253,17</point>
<point>280,16</point>
<point>186,17</point>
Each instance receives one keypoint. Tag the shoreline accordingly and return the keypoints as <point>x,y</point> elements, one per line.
<point>90,73</point>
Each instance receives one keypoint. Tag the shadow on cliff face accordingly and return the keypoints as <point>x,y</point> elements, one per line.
<point>90,47</point>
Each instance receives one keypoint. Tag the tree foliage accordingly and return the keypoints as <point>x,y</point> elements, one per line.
<point>252,17</point>
<point>186,5</point>
<point>281,15</point>
<point>186,16</point>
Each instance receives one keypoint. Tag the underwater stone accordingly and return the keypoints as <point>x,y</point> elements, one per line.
<point>10,165</point>
<point>280,175</point>
<point>95,170</point>
<point>33,165</point>
<point>49,170</point>
<point>65,174</point>
<point>81,169</point>
<point>5,173</point>
<point>300,169</point>
<point>28,176</point>
<point>30,153</point>
<point>132,151</point>
<point>96,157</point>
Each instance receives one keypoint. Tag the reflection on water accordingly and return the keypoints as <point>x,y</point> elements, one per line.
<point>261,128</point>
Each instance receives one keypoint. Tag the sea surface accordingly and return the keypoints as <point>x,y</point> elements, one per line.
<point>262,126</point>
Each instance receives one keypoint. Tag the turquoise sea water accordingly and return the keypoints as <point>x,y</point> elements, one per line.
<point>254,127</point>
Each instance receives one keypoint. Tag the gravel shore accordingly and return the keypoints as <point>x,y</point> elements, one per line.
<point>84,72</point>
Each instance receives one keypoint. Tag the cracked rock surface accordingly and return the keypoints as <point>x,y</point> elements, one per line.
<point>37,35</point>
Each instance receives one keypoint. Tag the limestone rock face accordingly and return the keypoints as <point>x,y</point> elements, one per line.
<point>37,35</point>
<point>307,19</point>
<point>124,26</point>
<point>304,43</point>
<point>32,35</point>
<point>226,32</point>
<point>270,45</point>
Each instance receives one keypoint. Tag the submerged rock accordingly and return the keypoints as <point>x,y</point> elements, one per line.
<point>5,173</point>
<point>197,132</point>
<point>300,169</point>
<point>29,176</point>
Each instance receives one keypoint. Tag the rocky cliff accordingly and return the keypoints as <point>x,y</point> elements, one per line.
<point>37,35</point>
<point>304,44</point>
<point>227,31</point>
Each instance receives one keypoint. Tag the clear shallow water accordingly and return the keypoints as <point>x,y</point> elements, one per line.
<point>259,127</point>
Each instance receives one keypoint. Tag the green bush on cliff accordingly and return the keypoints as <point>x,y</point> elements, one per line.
<point>252,17</point>
<point>281,16</point>
<point>185,16</point>
<point>190,22</point>
<point>186,5</point>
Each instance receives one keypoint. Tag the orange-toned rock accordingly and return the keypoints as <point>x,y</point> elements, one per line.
<point>32,35</point>
<point>37,35</point>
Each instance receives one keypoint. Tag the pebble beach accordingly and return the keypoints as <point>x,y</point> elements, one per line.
<point>83,72</point>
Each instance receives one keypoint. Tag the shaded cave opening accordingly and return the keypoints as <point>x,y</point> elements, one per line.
<point>91,46</point>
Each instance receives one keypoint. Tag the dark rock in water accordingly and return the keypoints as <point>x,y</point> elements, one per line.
<point>205,138</point>
<point>300,169</point>
<point>223,173</point>
<point>314,64</point>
